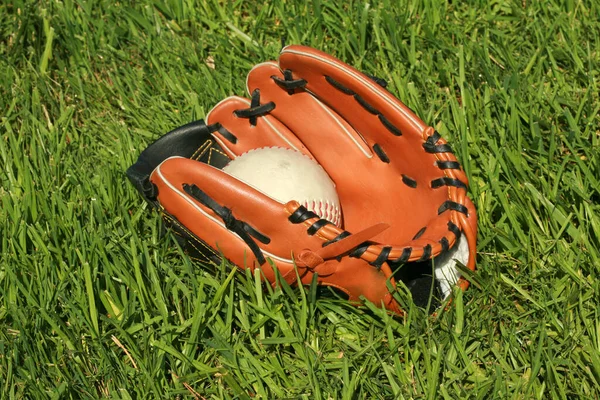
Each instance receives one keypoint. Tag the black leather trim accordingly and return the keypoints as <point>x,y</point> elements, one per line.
<point>184,141</point>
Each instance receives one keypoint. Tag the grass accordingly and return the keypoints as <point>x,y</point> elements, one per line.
<point>95,304</point>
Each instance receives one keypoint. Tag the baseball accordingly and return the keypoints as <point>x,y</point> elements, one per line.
<point>284,175</point>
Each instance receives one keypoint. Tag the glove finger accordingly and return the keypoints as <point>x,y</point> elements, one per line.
<point>238,205</point>
<point>431,179</point>
<point>315,124</point>
<point>237,135</point>
<point>367,106</point>
<point>391,129</point>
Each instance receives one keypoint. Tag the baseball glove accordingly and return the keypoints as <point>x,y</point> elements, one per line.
<point>406,216</point>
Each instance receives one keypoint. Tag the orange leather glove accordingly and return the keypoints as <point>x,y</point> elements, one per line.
<point>403,195</point>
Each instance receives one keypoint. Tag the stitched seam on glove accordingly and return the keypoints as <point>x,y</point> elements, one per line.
<point>201,150</point>
<point>191,235</point>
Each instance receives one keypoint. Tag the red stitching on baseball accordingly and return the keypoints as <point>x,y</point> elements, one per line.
<point>324,209</point>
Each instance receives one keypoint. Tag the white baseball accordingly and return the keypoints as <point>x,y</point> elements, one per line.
<point>284,175</point>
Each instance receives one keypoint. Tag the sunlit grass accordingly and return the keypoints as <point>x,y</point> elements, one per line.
<point>95,303</point>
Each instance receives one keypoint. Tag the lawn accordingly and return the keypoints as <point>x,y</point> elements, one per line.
<point>96,303</point>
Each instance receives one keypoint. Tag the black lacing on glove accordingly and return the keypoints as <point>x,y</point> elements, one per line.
<point>345,243</point>
<point>243,229</point>
<point>256,109</point>
<point>288,82</point>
